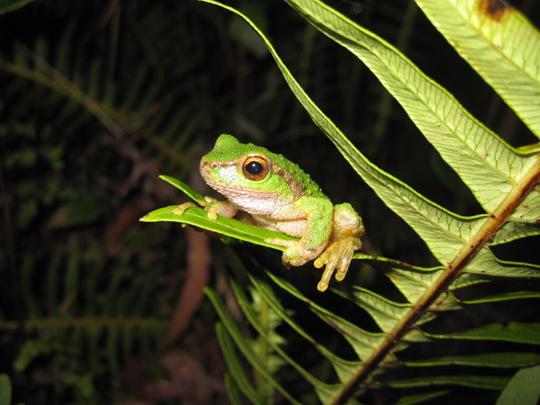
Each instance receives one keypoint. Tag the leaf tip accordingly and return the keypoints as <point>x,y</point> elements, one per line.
<point>146,218</point>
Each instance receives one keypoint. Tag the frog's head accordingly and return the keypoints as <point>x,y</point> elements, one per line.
<point>241,171</point>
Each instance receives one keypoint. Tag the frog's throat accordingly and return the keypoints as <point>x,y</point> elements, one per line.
<point>254,202</point>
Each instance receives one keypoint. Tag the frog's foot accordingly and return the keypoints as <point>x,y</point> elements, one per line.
<point>337,256</point>
<point>294,254</point>
<point>183,207</point>
<point>212,206</point>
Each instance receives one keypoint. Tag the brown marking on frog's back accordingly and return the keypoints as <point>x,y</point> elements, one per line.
<point>494,9</point>
<point>297,188</point>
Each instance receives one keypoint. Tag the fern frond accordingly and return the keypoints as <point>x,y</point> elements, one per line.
<point>83,94</point>
<point>503,179</point>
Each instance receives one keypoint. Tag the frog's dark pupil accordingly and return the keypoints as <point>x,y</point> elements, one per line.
<point>254,168</point>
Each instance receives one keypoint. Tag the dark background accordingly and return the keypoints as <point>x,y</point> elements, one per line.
<point>99,97</point>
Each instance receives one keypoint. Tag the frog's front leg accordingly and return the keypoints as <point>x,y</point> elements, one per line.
<point>318,216</point>
<point>344,240</point>
<point>212,206</point>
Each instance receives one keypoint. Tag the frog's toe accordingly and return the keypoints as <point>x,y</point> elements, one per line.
<point>294,254</point>
<point>322,259</point>
<point>336,257</point>
<point>292,261</point>
<point>180,209</point>
<point>286,243</point>
<point>343,265</point>
<point>212,212</point>
<point>327,273</point>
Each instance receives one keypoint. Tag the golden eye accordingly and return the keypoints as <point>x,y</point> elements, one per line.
<point>255,168</point>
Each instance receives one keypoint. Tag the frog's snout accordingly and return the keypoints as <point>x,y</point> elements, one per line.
<point>206,165</point>
<point>206,168</point>
<point>203,166</point>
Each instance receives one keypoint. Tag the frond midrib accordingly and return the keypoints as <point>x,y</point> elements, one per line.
<point>453,269</point>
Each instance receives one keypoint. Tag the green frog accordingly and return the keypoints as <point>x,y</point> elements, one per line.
<point>278,195</point>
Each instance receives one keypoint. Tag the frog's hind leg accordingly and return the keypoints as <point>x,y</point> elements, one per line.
<point>344,240</point>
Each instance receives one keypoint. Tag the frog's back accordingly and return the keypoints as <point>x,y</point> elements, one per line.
<point>299,181</point>
<point>295,182</point>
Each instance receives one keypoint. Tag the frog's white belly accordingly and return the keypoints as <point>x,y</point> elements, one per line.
<point>272,213</point>
<point>266,209</point>
<point>252,202</point>
<point>259,204</point>
<point>292,227</point>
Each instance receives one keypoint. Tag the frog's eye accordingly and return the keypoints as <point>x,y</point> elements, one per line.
<point>255,168</point>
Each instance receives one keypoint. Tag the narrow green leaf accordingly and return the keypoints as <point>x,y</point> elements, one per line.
<point>266,332</point>
<point>529,149</point>
<point>388,262</point>
<point>486,264</point>
<point>496,360</point>
<point>344,368</point>
<point>500,44</point>
<point>325,391</point>
<point>467,280</point>
<point>243,345</point>
<point>516,332</point>
<point>522,389</point>
<point>502,297</point>
<point>183,187</point>
<point>515,230</point>
<point>5,390</point>
<point>198,217</point>
<point>412,281</point>
<point>362,342</point>
<point>226,226</point>
<point>472,381</point>
<point>413,284</point>
<point>489,166</point>
<point>416,335</point>
<point>233,365</point>
<point>415,399</point>
<point>385,312</point>
<point>232,389</point>
<point>11,5</point>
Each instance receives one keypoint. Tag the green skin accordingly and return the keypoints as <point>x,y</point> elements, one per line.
<point>285,199</point>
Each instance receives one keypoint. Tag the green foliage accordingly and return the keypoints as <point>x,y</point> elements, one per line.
<point>490,39</point>
<point>83,294</point>
<point>503,179</point>
<point>99,97</point>
<point>96,98</point>
<point>522,388</point>
<point>11,5</point>
<point>5,390</point>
